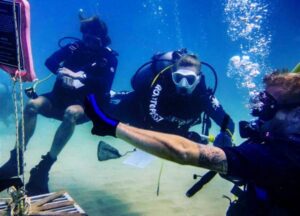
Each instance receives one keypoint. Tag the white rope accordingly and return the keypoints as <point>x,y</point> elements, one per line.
<point>21,98</point>
<point>18,205</point>
<point>15,99</point>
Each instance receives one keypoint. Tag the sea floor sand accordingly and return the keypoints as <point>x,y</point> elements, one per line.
<point>114,188</point>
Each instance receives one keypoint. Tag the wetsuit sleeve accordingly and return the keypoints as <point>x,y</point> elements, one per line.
<point>101,80</point>
<point>55,60</point>
<point>265,166</point>
<point>252,161</point>
<point>215,111</point>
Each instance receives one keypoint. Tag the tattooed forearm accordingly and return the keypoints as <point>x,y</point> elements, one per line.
<point>213,158</point>
<point>174,148</point>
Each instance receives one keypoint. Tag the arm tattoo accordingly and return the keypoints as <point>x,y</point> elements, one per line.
<point>213,158</point>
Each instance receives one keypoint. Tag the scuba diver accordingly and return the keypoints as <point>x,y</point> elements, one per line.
<point>267,163</point>
<point>6,103</point>
<point>82,67</point>
<point>170,95</point>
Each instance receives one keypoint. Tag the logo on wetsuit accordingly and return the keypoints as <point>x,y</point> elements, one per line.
<point>182,122</point>
<point>153,104</point>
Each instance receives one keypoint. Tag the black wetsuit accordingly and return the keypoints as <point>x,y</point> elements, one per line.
<point>160,108</point>
<point>271,171</point>
<point>99,68</point>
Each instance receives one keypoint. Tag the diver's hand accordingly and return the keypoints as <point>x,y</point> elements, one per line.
<point>63,71</point>
<point>223,139</point>
<point>69,73</point>
<point>102,124</point>
<point>80,75</point>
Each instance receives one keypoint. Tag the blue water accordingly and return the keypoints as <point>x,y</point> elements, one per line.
<point>139,29</point>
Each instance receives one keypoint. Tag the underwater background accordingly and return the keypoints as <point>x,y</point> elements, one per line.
<point>241,39</point>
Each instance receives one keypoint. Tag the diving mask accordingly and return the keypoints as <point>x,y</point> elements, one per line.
<point>185,80</point>
<point>265,106</point>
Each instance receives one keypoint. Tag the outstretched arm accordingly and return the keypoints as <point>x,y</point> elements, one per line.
<point>174,148</point>
<point>168,146</point>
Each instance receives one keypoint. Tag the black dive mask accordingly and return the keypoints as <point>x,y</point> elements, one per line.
<point>250,129</point>
<point>264,106</point>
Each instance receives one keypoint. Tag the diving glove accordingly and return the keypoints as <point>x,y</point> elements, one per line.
<point>102,124</point>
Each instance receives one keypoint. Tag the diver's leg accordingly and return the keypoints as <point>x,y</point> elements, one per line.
<point>33,107</point>
<point>38,182</point>
<point>65,131</point>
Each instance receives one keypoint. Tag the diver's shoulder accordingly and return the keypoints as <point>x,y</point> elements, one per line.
<point>110,55</point>
<point>110,51</point>
<point>73,47</point>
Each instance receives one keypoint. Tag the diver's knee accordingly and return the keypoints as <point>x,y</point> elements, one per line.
<point>31,107</point>
<point>72,115</point>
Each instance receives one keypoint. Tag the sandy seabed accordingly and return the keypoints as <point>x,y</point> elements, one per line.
<point>112,187</point>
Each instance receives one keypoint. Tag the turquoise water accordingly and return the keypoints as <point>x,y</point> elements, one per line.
<point>241,39</point>
<point>265,31</point>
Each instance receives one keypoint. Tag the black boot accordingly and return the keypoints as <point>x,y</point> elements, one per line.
<point>38,181</point>
<point>10,168</point>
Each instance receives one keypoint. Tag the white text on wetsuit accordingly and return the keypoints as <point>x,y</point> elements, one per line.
<point>153,104</point>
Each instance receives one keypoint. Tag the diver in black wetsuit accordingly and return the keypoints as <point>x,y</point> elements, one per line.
<point>170,95</point>
<point>82,67</point>
<point>267,163</point>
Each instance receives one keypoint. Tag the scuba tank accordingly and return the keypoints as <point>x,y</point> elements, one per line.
<point>146,73</point>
